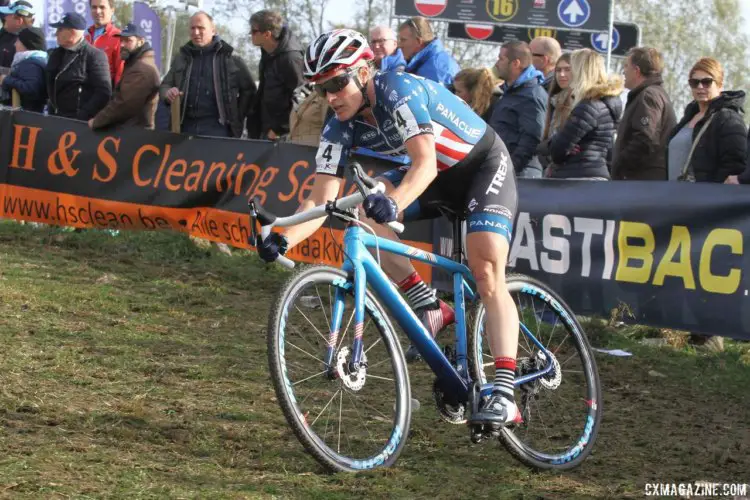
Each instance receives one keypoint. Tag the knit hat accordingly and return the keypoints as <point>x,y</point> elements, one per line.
<point>33,39</point>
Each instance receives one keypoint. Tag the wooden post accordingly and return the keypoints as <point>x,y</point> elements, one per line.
<point>15,99</point>
<point>176,114</point>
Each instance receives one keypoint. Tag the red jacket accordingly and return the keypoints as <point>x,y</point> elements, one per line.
<point>110,44</point>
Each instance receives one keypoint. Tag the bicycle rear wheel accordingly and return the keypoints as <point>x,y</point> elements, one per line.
<point>562,410</point>
<point>348,420</point>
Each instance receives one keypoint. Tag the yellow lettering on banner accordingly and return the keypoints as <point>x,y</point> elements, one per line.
<point>678,243</point>
<point>710,282</point>
<point>644,253</point>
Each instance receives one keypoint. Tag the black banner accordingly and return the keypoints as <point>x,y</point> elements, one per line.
<point>625,36</point>
<point>58,171</point>
<point>581,15</point>
<point>659,253</point>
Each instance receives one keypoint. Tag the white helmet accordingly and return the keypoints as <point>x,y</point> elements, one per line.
<point>340,48</point>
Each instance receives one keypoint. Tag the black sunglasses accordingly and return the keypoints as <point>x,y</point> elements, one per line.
<point>704,82</point>
<point>335,84</point>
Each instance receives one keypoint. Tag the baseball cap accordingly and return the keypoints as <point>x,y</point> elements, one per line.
<point>71,20</point>
<point>21,8</point>
<point>132,30</point>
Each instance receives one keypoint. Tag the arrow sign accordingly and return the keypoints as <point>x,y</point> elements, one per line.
<point>574,13</point>
<point>600,41</point>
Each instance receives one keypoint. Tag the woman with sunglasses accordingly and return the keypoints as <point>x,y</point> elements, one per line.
<point>456,161</point>
<point>709,143</point>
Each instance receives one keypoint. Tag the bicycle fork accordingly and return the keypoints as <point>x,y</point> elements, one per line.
<point>337,315</point>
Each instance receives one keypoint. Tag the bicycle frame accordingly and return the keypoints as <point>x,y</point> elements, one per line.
<point>363,269</point>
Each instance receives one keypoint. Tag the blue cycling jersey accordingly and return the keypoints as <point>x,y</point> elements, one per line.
<point>405,106</point>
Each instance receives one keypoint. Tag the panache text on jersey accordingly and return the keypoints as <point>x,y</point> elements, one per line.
<point>455,120</point>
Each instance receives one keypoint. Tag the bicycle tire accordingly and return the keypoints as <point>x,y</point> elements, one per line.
<point>582,447</point>
<point>283,387</point>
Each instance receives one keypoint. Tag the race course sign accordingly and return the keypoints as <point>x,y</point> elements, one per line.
<point>668,254</point>
<point>580,15</point>
<point>625,36</point>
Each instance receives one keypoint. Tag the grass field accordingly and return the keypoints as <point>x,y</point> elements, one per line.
<point>135,367</point>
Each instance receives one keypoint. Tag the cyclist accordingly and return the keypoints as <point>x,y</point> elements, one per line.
<point>456,161</point>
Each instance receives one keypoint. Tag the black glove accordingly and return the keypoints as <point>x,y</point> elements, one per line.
<point>380,208</point>
<point>274,245</point>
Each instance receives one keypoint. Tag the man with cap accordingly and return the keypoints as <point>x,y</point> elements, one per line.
<point>78,79</point>
<point>104,35</point>
<point>136,96</point>
<point>28,70</point>
<point>16,16</point>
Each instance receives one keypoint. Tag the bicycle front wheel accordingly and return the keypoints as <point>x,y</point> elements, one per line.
<point>349,420</point>
<point>562,409</point>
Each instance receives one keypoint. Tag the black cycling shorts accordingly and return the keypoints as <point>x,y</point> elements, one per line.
<point>481,188</point>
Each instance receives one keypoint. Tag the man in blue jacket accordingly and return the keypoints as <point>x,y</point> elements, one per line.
<point>424,54</point>
<point>518,117</point>
<point>388,57</point>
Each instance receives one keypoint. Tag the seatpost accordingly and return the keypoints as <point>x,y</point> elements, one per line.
<point>458,241</point>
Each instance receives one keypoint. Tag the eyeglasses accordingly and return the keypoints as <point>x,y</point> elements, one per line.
<point>334,85</point>
<point>704,82</point>
<point>22,13</point>
<point>381,41</point>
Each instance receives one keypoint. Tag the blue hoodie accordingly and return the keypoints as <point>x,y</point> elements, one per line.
<point>393,62</point>
<point>518,118</point>
<point>434,63</point>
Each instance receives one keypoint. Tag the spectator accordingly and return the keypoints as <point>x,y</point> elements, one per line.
<point>308,115</point>
<point>16,16</point>
<point>216,87</point>
<point>424,54</point>
<point>479,89</point>
<point>545,51</point>
<point>709,144</point>
<point>580,148</point>
<point>136,96</point>
<point>640,150</point>
<point>28,71</point>
<point>281,64</point>
<point>78,80</point>
<point>744,177</point>
<point>104,36</point>
<point>559,106</point>
<point>388,57</point>
<point>518,117</point>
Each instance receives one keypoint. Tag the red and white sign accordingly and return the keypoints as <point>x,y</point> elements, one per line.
<point>479,31</point>
<point>430,8</point>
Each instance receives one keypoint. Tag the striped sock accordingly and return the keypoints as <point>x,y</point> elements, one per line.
<point>505,373</point>
<point>418,294</point>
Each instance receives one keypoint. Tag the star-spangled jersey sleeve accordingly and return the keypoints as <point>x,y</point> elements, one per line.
<point>405,99</point>
<point>336,142</point>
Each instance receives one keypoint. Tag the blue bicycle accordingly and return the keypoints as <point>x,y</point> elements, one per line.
<point>338,368</point>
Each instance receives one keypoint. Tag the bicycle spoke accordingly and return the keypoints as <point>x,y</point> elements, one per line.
<point>373,345</point>
<point>324,408</point>
<point>574,355</point>
<point>311,324</point>
<point>370,367</point>
<point>343,336</point>
<point>307,353</point>
<point>322,307</point>
<point>380,378</point>
<point>561,343</point>
<point>308,378</point>
<point>341,400</point>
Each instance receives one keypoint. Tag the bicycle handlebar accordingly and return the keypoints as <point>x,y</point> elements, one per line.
<point>365,185</point>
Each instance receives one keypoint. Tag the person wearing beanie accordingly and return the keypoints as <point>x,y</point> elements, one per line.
<point>28,71</point>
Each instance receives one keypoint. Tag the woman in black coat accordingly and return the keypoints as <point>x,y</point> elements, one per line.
<point>722,147</point>
<point>581,147</point>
